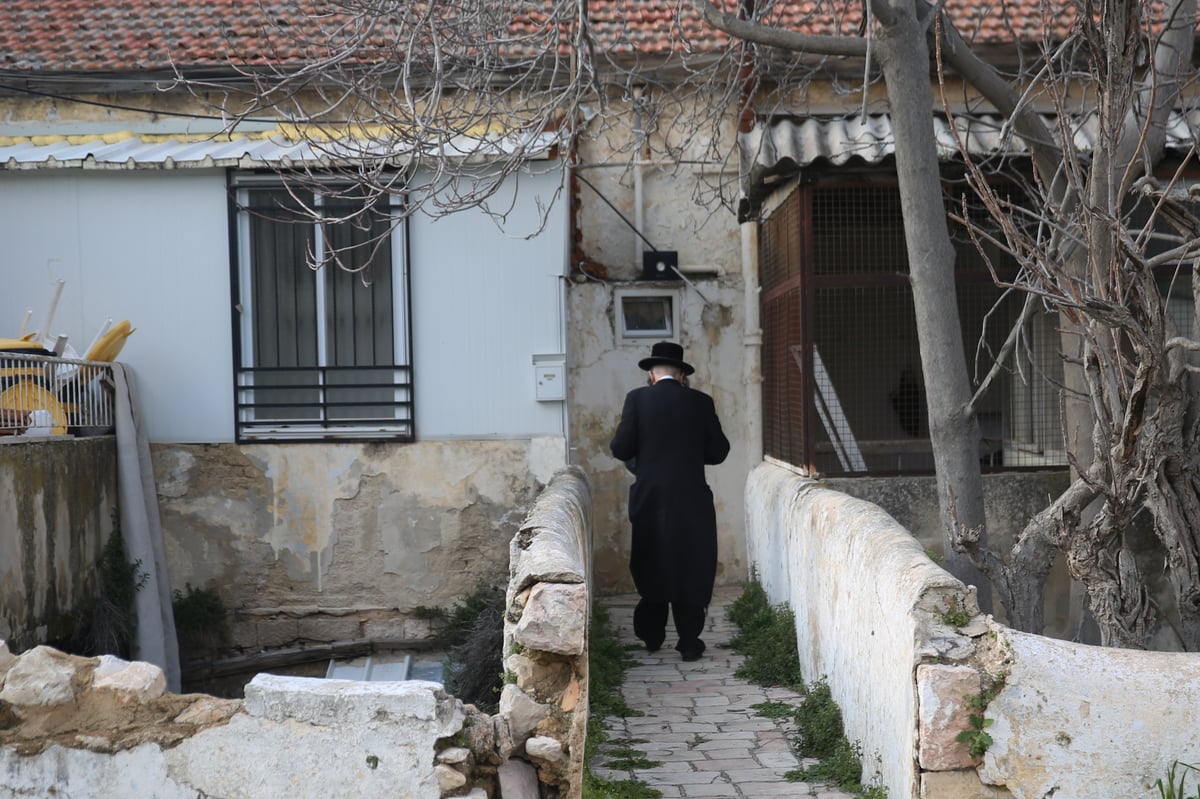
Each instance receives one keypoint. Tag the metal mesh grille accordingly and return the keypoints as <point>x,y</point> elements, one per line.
<point>782,315</point>
<point>838,310</point>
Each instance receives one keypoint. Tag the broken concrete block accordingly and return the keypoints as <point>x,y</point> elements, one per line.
<point>41,677</point>
<point>332,703</point>
<point>136,681</point>
<point>522,712</point>
<point>448,778</point>
<point>518,780</point>
<point>942,693</point>
<point>554,619</point>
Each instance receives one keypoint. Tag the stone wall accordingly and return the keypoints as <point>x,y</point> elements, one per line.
<point>545,636</point>
<point>871,611</point>
<point>103,728</point>
<point>57,504</point>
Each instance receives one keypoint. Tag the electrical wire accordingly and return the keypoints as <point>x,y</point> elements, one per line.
<point>119,107</point>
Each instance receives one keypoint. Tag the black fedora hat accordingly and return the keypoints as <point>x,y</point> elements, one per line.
<point>666,353</point>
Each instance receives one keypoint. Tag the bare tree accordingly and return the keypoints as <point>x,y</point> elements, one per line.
<point>1098,240</point>
<point>448,99</point>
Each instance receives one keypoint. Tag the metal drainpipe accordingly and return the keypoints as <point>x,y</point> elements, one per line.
<point>639,212</point>
<point>752,341</point>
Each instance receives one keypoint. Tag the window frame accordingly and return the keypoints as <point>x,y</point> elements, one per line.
<point>326,427</point>
<point>624,333</point>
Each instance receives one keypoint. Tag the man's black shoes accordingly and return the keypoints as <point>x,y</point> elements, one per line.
<point>691,652</point>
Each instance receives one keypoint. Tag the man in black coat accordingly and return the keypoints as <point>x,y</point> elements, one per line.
<point>667,433</point>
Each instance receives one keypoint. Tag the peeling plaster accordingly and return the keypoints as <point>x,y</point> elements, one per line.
<point>304,483</point>
<point>388,526</point>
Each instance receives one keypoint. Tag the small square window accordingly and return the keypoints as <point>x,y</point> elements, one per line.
<point>646,315</point>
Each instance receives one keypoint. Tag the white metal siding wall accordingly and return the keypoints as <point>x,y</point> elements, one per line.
<point>151,247</point>
<point>485,301</point>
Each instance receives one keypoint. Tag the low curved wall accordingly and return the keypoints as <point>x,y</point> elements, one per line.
<point>1070,720</point>
<point>545,699</point>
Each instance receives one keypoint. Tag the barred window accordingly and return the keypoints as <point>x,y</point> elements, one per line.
<point>322,352</point>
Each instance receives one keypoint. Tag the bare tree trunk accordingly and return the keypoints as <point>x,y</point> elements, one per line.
<point>953,428</point>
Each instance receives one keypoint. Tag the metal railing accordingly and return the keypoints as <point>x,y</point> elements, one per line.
<point>323,402</point>
<point>47,396</point>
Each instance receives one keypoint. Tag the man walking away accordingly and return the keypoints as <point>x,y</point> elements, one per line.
<point>667,433</point>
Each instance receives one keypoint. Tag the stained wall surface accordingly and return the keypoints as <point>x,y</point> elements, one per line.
<point>344,541</point>
<point>57,505</point>
<point>679,209</point>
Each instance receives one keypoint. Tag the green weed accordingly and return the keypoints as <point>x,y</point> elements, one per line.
<point>773,710</point>
<point>956,618</point>
<point>842,766</point>
<point>767,637</point>
<point>1176,784</point>
<point>201,620</point>
<point>473,633</point>
<point>607,662</point>
<point>819,722</point>
<point>976,736</point>
<point>106,624</point>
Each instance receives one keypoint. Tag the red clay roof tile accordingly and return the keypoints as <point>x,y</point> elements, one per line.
<point>128,35</point>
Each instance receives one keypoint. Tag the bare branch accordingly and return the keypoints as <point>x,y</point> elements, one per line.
<point>775,37</point>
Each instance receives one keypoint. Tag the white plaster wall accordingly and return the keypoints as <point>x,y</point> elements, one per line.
<point>1079,722</point>
<point>860,587</point>
<point>149,247</point>
<point>152,246</point>
<point>487,297</point>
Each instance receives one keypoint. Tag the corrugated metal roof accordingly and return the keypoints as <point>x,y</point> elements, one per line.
<point>128,150</point>
<point>787,143</point>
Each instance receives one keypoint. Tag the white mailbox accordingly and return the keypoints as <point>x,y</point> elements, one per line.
<point>550,377</point>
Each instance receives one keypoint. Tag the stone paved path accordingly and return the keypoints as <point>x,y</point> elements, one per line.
<point>699,722</point>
